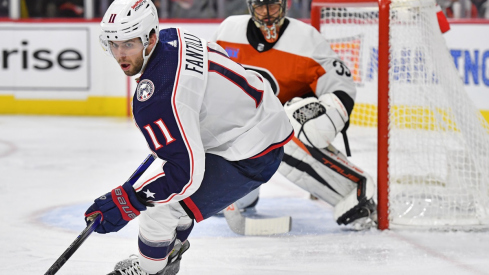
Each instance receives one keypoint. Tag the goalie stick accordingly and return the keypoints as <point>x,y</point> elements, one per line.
<point>242,225</point>
<point>95,222</point>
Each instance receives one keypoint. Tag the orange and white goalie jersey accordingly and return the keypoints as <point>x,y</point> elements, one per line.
<point>300,61</point>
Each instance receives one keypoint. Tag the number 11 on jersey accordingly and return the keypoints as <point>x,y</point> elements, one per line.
<point>164,130</point>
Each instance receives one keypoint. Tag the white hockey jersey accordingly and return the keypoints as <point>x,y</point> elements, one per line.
<point>192,100</point>
<point>300,61</point>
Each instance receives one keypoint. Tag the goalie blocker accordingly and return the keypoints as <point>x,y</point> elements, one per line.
<point>327,173</point>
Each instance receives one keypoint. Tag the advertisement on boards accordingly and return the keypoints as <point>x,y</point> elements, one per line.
<point>469,47</point>
<point>55,60</point>
<point>45,58</point>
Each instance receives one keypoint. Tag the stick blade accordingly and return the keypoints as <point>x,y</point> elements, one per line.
<point>242,225</point>
<point>269,226</point>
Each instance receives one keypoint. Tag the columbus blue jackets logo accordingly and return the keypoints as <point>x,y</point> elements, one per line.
<point>145,90</point>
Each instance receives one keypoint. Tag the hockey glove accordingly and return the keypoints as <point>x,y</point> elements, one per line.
<point>316,122</point>
<point>117,208</point>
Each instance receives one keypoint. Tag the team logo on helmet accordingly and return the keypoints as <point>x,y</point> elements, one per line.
<point>145,90</point>
<point>138,4</point>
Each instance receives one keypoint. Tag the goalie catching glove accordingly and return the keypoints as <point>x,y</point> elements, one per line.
<point>316,122</point>
<point>117,208</point>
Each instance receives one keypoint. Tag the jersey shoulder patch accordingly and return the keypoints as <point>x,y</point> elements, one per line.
<point>145,90</point>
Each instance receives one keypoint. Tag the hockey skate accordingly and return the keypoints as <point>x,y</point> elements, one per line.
<point>361,217</point>
<point>130,266</point>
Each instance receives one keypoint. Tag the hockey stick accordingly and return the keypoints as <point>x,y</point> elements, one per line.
<point>95,222</point>
<point>74,246</point>
<point>242,225</point>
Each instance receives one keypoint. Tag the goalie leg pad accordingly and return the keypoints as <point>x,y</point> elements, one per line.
<point>313,176</point>
<point>329,185</point>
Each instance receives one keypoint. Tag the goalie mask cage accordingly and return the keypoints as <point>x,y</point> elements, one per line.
<point>432,142</point>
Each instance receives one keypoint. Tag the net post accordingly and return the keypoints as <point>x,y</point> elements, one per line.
<point>383,116</point>
<point>315,16</point>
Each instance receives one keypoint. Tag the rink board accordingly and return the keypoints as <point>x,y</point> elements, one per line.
<point>58,68</point>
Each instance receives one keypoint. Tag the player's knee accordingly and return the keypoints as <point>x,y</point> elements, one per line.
<point>160,222</point>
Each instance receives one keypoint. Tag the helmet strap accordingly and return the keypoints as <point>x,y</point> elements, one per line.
<point>146,57</point>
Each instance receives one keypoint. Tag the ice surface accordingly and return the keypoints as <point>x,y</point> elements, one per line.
<point>51,169</point>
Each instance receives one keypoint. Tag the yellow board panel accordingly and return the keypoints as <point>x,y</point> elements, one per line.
<point>93,106</point>
<point>409,117</point>
<point>363,114</point>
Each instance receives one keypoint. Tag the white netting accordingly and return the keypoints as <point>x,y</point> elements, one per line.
<point>438,140</point>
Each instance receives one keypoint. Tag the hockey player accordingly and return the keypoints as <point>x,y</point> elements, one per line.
<point>218,128</point>
<point>298,62</point>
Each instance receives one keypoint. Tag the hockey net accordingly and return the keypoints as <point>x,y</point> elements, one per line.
<point>432,142</point>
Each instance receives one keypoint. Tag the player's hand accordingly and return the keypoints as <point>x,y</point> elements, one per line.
<point>117,208</point>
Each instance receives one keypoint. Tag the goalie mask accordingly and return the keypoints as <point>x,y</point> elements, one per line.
<point>268,15</point>
<point>126,28</point>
